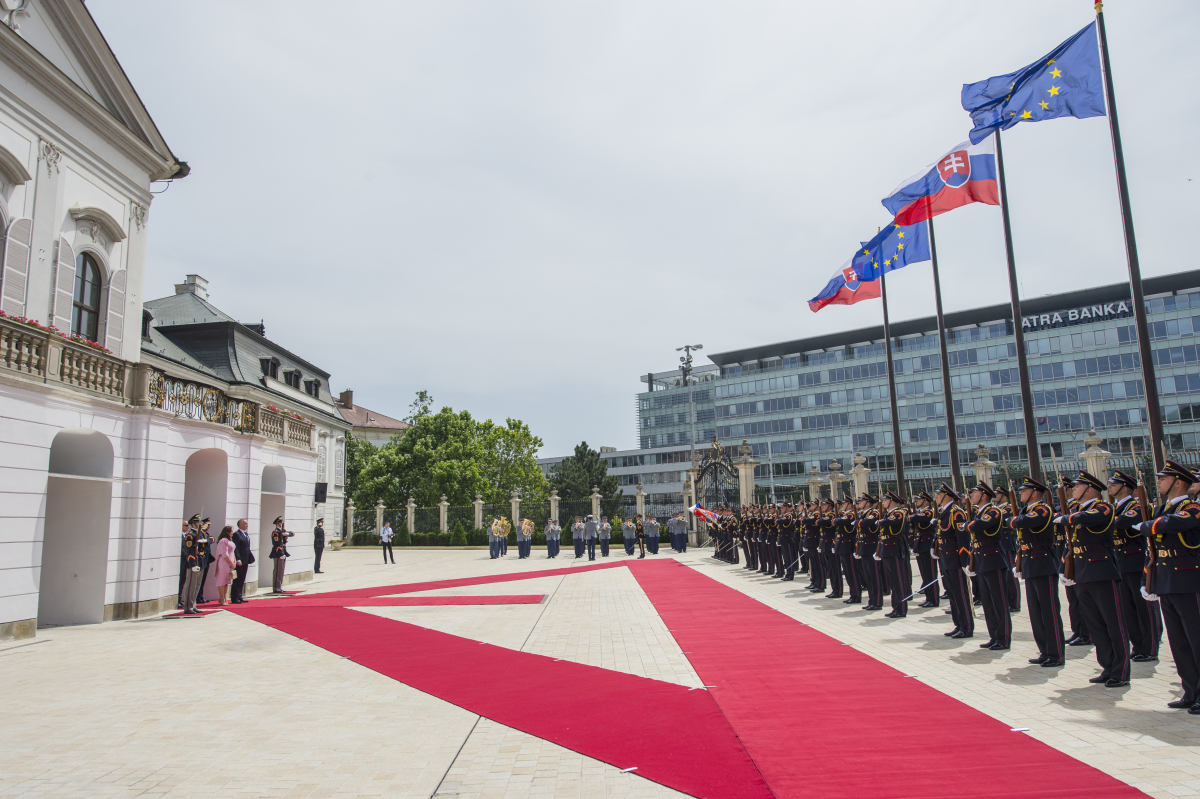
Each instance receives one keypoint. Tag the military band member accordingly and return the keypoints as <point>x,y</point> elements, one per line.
<point>954,547</point>
<point>524,539</point>
<point>578,537</point>
<point>1079,630</point>
<point>892,552</point>
<point>589,536</point>
<point>923,538</point>
<point>639,529</point>
<point>1173,577</point>
<point>1097,579</point>
<point>553,536</point>
<point>676,532</point>
<point>868,550</point>
<point>991,566</point>
<point>651,528</point>
<point>494,533</point>
<point>1039,564</point>
<point>1143,619</point>
<point>191,565</point>
<point>279,554</point>
<point>844,534</point>
<point>604,535</point>
<point>629,534</point>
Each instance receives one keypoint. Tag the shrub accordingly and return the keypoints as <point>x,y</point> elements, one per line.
<point>458,538</point>
<point>364,540</point>
<point>403,539</point>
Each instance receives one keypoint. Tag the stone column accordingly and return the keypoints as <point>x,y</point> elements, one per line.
<point>140,395</point>
<point>554,500</point>
<point>411,507</point>
<point>982,465</point>
<point>443,521</point>
<point>836,478</point>
<point>378,516</point>
<point>814,484</point>
<point>348,530</point>
<point>860,473</point>
<point>515,502</point>
<point>1096,459</point>
<point>745,465</point>
<point>641,500</point>
<point>478,503</point>
<point>596,502</point>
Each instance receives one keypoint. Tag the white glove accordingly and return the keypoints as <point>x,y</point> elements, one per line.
<point>1060,519</point>
<point>1148,596</point>
<point>970,573</point>
<point>195,568</point>
<point>1067,581</point>
<point>877,557</point>
<point>857,556</point>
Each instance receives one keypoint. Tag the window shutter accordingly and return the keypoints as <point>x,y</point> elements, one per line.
<point>15,275</point>
<point>64,287</point>
<point>339,465</point>
<point>114,326</point>
<point>321,472</point>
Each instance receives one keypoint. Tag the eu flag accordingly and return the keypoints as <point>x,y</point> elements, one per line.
<point>891,248</point>
<point>1066,82</point>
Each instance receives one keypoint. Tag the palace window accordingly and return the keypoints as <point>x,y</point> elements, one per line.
<point>292,378</point>
<point>312,388</point>
<point>85,313</point>
<point>270,367</point>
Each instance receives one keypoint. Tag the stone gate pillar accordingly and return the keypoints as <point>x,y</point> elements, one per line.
<point>1096,459</point>
<point>860,473</point>
<point>443,516</point>
<point>814,484</point>
<point>641,501</point>
<point>596,502</point>
<point>411,507</point>
<point>982,465</point>
<point>554,500</point>
<point>378,516</point>
<point>745,465</point>
<point>348,530</point>
<point>478,503</point>
<point>515,502</point>
<point>836,478</point>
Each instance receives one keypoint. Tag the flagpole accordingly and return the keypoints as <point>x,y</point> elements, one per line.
<point>887,343</point>
<point>1131,255</point>
<point>1035,464</point>
<point>951,430</point>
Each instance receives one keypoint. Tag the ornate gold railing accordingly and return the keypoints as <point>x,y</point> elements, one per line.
<point>48,357</point>
<point>197,401</point>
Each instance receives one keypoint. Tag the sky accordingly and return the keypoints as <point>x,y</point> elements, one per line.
<point>522,207</point>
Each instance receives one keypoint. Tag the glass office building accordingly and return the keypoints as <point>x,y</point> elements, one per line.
<point>807,403</point>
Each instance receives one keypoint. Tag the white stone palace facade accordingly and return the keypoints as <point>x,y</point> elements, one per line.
<point>116,419</point>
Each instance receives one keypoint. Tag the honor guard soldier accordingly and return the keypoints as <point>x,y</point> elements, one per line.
<point>789,527</point>
<point>279,554</point>
<point>204,544</point>
<point>1039,565</point>
<point>1142,618</point>
<point>813,533</point>
<point>191,565</point>
<point>954,547</point>
<point>991,566</point>
<point>923,538</point>
<point>1008,543</point>
<point>1097,579</point>
<point>1079,630</point>
<point>577,538</point>
<point>868,550</point>
<point>1173,575</point>
<point>318,545</point>
<point>551,538</point>
<point>843,546</point>
<point>829,564</point>
<point>893,552</point>
<point>524,539</point>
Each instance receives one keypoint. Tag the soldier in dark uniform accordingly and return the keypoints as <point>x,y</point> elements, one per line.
<point>1173,580</point>
<point>1039,570</point>
<point>868,550</point>
<point>1008,543</point>
<point>318,545</point>
<point>991,565</point>
<point>204,545</point>
<point>1142,618</point>
<point>923,538</point>
<point>844,531</point>
<point>1097,579</point>
<point>954,547</point>
<point>893,552</point>
<point>191,566</point>
<point>1079,631</point>
<point>813,533</point>
<point>829,564</point>
<point>183,556</point>
<point>729,525</point>
<point>279,554</point>
<point>640,530</point>
<point>789,522</point>
<point>805,510</point>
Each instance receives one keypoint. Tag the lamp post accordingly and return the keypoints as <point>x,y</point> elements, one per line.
<point>685,369</point>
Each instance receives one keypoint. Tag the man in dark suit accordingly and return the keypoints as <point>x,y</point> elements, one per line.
<point>244,555</point>
<point>318,545</point>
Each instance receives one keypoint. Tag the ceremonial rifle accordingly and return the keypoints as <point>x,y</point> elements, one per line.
<point>1064,510</point>
<point>1144,507</point>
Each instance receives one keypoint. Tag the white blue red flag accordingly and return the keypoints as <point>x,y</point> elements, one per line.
<point>964,175</point>
<point>707,515</point>
<point>845,288</point>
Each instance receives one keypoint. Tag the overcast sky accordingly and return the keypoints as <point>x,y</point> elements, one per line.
<point>522,207</point>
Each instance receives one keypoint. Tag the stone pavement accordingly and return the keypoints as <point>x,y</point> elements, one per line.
<point>224,707</point>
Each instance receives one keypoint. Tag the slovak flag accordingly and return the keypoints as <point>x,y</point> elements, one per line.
<point>706,515</point>
<point>845,288</point>
<point>966,174</point>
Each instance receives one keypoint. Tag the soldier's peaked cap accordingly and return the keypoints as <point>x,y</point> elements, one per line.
<point>278,520</point>
<point>948,491</point>
<point>1177,470</point>
<point>924,495</point>
<point>1090,480</point>
<point>894,497</point>
<point>1120,478</point>
<point>1033,484</point>
<point>206,520</point>
<point>985,488</point>
<point>867,498</point>
<point>195,519</point>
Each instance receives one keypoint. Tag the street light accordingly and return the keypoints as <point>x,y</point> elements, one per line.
<point>686,370</point>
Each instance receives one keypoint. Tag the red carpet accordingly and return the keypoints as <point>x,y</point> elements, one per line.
<point>409,588</point>
<point>672,735</point>
<point>326,601</point>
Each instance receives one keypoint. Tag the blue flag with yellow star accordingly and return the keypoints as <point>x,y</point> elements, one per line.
<point>893,247</point>
<point>1067,82</point>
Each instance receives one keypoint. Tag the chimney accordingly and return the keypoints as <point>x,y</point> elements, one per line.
<point>193,284</point>
<point>347,398</point>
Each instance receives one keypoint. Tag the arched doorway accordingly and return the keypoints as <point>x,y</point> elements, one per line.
<point>74,562</point>
<point>205,491</point>
<point>274,503</point>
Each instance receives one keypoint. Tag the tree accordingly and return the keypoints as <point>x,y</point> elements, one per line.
<point>358,453</point>
<point>419,407</point>
<point>440,454</point>
<point>575,475</point>
<point>510,461</point>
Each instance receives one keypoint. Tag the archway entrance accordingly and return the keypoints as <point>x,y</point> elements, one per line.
<point>274,503</point>
<point>205,491</point>
<point>74,562</point>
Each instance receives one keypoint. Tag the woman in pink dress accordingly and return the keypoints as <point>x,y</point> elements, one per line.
<point>225,564</point>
